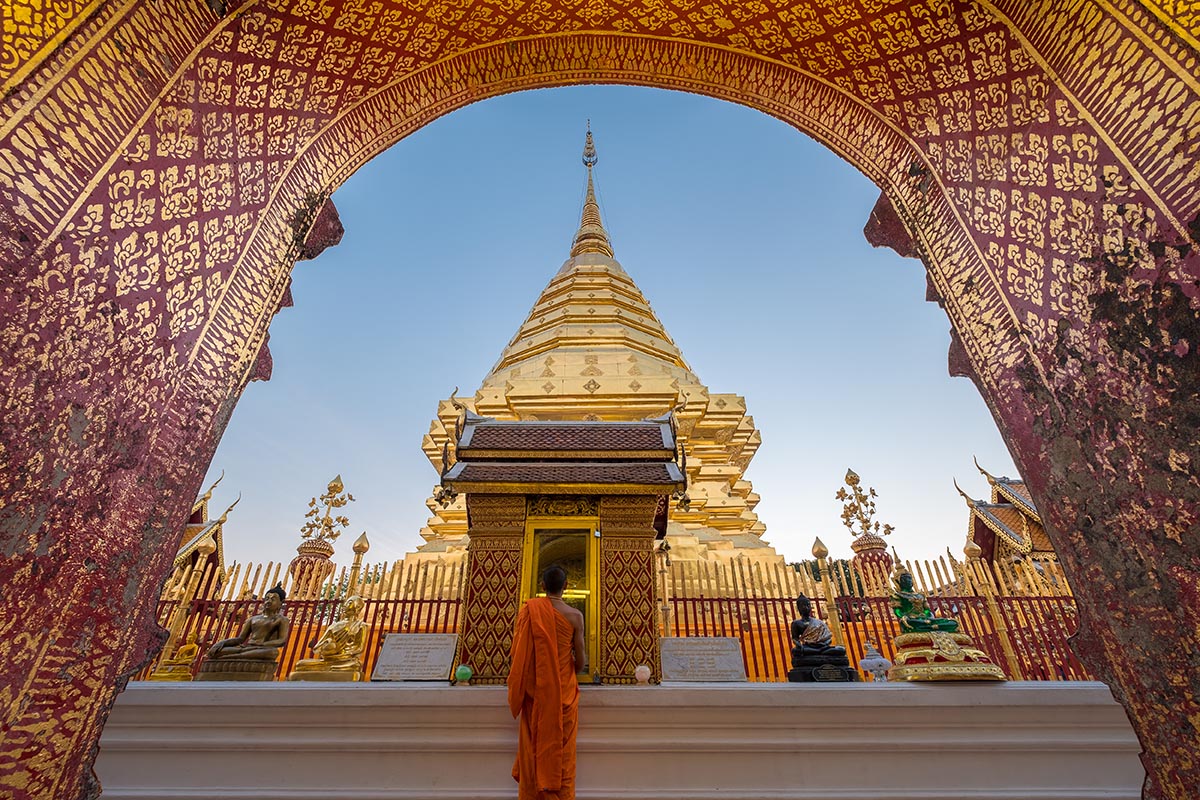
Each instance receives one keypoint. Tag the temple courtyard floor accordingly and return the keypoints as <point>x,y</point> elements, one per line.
<point>295,741</point>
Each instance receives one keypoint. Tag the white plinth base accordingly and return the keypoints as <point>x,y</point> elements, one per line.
<point>286,741</point>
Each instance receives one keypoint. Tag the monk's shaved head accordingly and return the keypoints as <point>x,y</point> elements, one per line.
<point>554,579</point>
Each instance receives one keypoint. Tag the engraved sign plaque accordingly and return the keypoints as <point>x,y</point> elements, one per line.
<point>415,657</point>
<point>701,659</point>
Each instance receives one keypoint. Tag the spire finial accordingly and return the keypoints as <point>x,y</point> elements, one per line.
<point>591,237</point>
<point>589,149</point>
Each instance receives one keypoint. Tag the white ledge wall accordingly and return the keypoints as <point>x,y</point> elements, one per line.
<point>297,741</point>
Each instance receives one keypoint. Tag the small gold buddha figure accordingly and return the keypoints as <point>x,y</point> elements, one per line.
<point>339,651</point>
<point>178,667</point>
<point>251,655</point>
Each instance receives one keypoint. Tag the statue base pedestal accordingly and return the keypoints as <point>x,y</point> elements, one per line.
<point>327,676</point>
<point>940,656</point>
<point>236,669</point>
<point>823,673</point>
<point>171,674</point>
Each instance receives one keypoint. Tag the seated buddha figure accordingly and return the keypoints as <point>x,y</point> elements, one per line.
<point>261,636</point>
<point>186,653</point>
<point>338,653</point>
<point>811,636</point>
<point>911,609</point>
<point>814,656</point>
<point>253,653</point>
<point>178,667</point>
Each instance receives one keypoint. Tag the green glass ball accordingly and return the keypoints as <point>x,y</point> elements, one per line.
<point>463,673</point>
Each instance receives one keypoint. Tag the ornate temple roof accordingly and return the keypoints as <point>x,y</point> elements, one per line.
<point>566,439</point>
<point>493,477</point>
<point>200,528</point>
<point>1007,524</point>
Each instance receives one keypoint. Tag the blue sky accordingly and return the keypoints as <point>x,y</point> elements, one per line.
<point>744,234</point>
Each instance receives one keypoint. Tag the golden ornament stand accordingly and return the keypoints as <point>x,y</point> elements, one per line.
<point>941,656</point>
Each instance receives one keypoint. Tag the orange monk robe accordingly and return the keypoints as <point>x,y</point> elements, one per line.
<point>542,690</point>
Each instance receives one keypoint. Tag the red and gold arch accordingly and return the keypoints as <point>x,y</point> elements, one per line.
<point>163,164</point>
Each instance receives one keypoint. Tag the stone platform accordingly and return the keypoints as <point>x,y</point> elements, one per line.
<point>297,741</point>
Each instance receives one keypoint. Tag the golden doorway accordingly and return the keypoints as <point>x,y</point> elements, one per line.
<point>573,544</point>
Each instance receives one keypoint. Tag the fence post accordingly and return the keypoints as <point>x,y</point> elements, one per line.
<point>179,616</point>
<point>361,546</point>
<point>983,579</point>
<point>820,551</point>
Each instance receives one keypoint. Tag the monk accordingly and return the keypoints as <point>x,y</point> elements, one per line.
<point>547,651</point>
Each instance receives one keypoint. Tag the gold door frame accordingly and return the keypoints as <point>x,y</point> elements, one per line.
<point>529,586</point>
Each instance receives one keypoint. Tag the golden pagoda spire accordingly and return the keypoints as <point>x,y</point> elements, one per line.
<point>591,237</point>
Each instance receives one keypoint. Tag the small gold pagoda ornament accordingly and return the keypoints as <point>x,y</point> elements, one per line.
<point>930,648</point>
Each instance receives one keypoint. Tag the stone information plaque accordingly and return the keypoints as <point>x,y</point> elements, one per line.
<point>415,657</point>
<point>701,659</point>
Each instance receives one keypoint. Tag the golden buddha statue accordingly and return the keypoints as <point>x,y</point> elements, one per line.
<point>178,667</point>
<point>339,651</point>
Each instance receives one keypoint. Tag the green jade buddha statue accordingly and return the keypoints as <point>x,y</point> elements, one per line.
<point>910,607</point>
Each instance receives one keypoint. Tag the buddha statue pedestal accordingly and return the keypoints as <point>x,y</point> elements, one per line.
<point>236,669</point>
<point>941,656</point>
<point>326,675</point>
<point>815,659</point>
<point>172,673</point>
<point>821,669</point>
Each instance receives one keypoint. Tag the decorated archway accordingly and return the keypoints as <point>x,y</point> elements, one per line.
<point>164,163</point>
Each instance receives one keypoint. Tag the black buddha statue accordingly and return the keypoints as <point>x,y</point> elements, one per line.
<point>814,656</point>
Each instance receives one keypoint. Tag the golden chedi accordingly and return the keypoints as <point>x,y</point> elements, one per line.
<point>592,348</point>
<point>930,648</point>
<point>338,654</point>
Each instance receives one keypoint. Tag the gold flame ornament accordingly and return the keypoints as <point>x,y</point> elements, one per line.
<point>858,508</point>
<point>322,524</point>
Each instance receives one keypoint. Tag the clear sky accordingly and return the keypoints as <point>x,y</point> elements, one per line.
<point>744,234</point>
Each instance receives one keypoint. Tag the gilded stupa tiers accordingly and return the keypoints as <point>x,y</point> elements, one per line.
<point>592,348</point>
